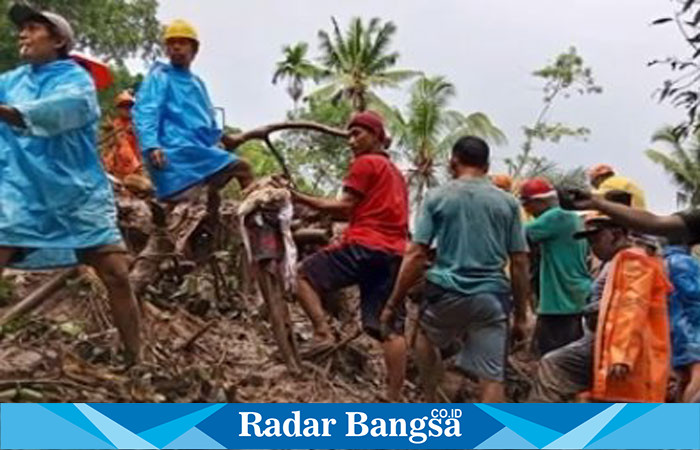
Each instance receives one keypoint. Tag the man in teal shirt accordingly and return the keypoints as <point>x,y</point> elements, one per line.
<point>477,230</point>
<point>565,282</point>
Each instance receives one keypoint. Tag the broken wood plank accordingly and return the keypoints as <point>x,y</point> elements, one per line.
<point>37,297</point>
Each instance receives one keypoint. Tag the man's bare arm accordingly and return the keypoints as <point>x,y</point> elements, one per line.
<point>411,270</point>
<point>520,284</point>
<point>636,219</point>
<point>339,209</point>
<point>643,221</point>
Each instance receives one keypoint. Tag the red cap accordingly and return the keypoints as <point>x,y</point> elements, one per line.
<point>536,188</point>
<point>370,121</point>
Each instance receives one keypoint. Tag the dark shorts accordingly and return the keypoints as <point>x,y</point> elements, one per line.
<point>565,372</point>
<point>555,331</point>
<point>374,271</point>
<point>477,324</point>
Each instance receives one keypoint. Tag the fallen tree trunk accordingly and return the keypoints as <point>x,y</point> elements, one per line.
<point>37,297</point>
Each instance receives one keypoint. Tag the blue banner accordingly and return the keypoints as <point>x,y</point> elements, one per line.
<point>349,426</point>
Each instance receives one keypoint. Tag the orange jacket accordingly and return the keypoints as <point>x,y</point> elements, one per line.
<point>125,157</point>
<point>633,329</point>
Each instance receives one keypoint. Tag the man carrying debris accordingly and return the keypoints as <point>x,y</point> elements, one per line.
<point>124,156</point>
<point>176,124</point>
<point>680,227</point>
<point>564,282</point>
<point>477,229</point>
<point>604,179</point>
<point>57,206</point>
<point>684,309</point>
<point>627,359</point>
<point>375,203</point>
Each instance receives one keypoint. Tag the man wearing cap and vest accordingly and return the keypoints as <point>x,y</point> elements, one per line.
<point>628,357</point>
<point>604,179</point>
<point>477,230</point>
<point>564,283</point>
<point>502,181</point>
<point>57,206</point>
<point>375,203</point>
<point>176,125</point>
<point>124,158</point>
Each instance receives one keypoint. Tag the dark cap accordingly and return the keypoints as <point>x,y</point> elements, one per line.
<point>20,13</point>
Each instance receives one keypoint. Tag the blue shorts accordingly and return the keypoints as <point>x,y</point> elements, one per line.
<point>477,323</point>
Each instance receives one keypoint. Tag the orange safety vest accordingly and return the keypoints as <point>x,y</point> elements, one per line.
<point>633,329</point>
<point>125,156</point>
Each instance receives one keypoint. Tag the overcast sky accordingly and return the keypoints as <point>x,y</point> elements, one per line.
<point>488,49</point>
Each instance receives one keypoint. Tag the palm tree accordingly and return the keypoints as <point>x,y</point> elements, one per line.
<point>681,161</point>
<point>296,68</point>
<point>356,62</point>
<point>560,177</point>
<point>429,129</point>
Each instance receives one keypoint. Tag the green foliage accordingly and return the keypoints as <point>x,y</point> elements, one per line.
<point>560,177</point>
<point>296,69</point>
<point>679,156</point>
<point>110,29</point>
<point>354,62</point>
<point>429,129</point>
<point>681,89</point>
<point>318,161</point>
<point>566,76</point>
<point>259,156</point>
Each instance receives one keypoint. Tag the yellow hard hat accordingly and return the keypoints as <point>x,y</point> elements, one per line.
<point>181,29</point>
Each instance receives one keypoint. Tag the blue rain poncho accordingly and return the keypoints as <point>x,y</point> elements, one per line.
<point>684,308</point>
<point>54,195</point>
<point>173,113</point>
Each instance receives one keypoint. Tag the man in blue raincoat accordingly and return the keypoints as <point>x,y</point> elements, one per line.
<point>176,124</point>
<point>684,308</point>
<point>56,204</point>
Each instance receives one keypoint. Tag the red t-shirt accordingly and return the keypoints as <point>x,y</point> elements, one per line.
<point>380,220</point>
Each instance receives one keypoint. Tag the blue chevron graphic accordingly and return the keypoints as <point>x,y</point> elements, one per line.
<point>582,435</point>
<point>166,433</point>
<point>530,431</point>
<point>120,436</point>
<point>146,415</point>
<point>31,426</point>
<point>559,417</point>
<point>652,430</point>
<point>194,439</point>
<point>630,412</point>
<point>506,438</point>
<point>71,413</point>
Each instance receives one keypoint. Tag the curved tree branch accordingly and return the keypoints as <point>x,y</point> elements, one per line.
<point>264,132</point>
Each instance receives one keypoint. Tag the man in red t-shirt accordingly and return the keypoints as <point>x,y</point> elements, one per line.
<point>375,203</point>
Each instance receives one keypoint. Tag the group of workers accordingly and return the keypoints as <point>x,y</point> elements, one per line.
<point>603,327</point>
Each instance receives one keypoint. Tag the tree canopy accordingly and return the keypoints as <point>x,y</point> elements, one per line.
<point>113,30</point>
<point>355,62</point>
